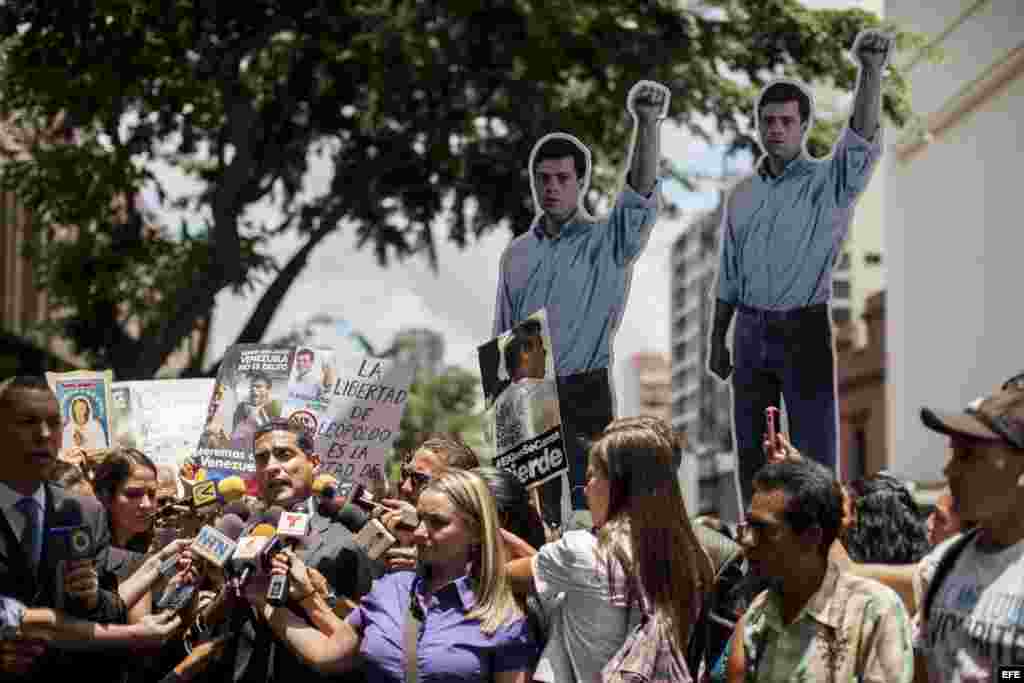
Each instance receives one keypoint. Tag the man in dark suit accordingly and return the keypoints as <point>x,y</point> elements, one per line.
<point>285,467</point>
<point>30,510</point>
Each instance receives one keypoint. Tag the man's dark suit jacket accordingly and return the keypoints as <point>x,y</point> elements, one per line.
<point>40,589</point>
<point>259,656</point>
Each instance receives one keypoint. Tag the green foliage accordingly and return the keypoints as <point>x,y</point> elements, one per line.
<point>416,105</point>
<point>442,403</point>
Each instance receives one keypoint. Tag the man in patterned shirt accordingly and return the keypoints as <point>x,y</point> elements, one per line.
<point>816,623</point>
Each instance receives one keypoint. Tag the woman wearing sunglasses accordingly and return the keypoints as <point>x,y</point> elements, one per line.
<point>438,452</point>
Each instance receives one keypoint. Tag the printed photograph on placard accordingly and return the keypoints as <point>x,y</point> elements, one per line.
<point>523,418</point>
<point>123,429</point>
<point>166,417</point>
<point>313,376</point>
<point>84,398</point>
<point>250,390</point>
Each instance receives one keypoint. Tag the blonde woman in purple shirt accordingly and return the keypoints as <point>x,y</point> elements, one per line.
<point>471,628</point>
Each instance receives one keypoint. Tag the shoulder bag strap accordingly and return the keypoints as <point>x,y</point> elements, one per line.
<point>945,565</point>
<point>413,623</point>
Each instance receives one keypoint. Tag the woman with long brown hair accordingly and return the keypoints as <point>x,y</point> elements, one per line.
<point>642,556</point>
<point>126,483</point>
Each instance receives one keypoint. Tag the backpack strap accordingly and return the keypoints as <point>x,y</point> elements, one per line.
<point>942,570</point>
<point>723,552</point>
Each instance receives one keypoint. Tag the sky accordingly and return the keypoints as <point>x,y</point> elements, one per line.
<point>458,300</point>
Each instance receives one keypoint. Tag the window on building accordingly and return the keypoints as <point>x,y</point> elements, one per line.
<point>841,289</point>
<point>873,258</point>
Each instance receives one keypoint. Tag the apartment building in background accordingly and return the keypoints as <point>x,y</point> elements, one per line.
<point>648,386</point>
<point>701,405</point>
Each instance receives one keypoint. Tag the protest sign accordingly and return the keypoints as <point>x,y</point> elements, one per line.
<point>523,419</point>
<point>351,403</point>
<point>251,389</point>
<point>162,418</point>
<point>84,398</point>
<point>354,434</point>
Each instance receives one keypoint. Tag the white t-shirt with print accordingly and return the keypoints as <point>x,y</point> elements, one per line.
<point>976,620</point>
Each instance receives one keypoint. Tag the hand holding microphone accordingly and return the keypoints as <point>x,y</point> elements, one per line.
<point>18,653</point>
<point>287,564</point>
<point>82,582</point>
<point>292,529</point>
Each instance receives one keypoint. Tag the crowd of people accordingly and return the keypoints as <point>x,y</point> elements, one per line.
<point>832,582</point>
<point>458,573</point>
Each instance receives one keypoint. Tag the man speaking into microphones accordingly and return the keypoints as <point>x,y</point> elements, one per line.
<point>286,466</point>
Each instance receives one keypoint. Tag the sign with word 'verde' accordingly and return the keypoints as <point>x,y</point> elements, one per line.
<point>523,416</point>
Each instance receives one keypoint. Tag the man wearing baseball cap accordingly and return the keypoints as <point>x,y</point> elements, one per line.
<point>972,618</point>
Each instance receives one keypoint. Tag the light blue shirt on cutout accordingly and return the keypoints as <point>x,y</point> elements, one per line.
<point>782,236</point>
<point>581,277</point>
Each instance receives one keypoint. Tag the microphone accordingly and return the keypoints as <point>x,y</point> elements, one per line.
<point>209,492</point>
<point>248,557</point>
<point>327,488</point>
<point>70,543</point>
<point>292,529</point>
<point>214,546</point>
<point>352,517</point>
<point>335,507</point>
<point>240,509</point>
<point>231,525</point>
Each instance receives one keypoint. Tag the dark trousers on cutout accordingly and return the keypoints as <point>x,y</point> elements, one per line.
<point>787,353</point>
<point>585,404</point>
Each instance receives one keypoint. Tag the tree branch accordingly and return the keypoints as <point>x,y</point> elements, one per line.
<point>261,318</point>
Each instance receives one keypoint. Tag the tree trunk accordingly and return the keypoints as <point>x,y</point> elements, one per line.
<point>271,300</point>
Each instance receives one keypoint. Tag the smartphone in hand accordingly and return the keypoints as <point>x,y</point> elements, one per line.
<point>771,414</point>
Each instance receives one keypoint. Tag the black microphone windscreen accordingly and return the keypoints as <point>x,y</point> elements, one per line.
<point>272,515</point>
<point>353,517</point>
<point>238,508</point>
<point>231,525</point>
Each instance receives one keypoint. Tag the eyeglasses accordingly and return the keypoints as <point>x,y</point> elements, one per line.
<point>419,480</point>
<point>752,529</point>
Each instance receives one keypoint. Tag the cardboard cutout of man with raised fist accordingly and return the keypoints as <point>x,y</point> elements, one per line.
<point>782,233</point>
<point>578,268</point>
